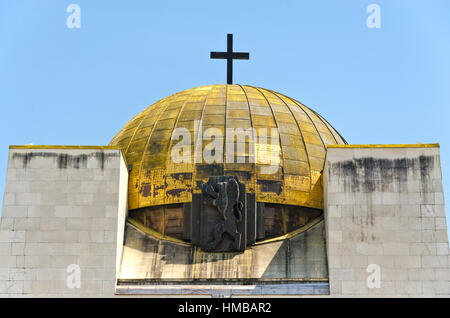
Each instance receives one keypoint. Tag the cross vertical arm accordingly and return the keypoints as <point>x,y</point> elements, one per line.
<point>229,55</point>
<point>229,59</point>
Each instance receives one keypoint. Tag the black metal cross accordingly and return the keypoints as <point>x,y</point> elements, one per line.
<point>229,55</point>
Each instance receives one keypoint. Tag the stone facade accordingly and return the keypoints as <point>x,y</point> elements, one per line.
<point>62,206</point>
<point>65,207</point>
<point>385,206</point>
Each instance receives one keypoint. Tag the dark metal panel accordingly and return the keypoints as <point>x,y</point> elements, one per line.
<point>187,221</point>
<point>195,218</point>
<point>260,221</point>
<point>273,220</point>
<point>223,215</point>
<point>251,218</point>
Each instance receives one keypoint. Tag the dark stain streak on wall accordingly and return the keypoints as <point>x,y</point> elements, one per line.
<point>65,160</point>
<point>426,164</point>
<point>100,156</point>
<point>384,175</point>
<point>175,192</point>
<point>156,189</point>
<point>182,176</point>
<point>146,189</point>
<point>270,186</point>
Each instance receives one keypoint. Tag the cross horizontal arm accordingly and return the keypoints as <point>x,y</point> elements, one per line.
<point>229,55</point>
<point>219,55</point>
<point>240,56</point>
<point>233,55</point>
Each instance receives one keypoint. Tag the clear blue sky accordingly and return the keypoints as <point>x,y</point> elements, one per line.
<point>66,86</point>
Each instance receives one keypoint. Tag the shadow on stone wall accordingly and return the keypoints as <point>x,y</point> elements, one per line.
<point>147,260</point>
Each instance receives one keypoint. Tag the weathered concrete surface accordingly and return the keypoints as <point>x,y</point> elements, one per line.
<point>149,261</point>
<point>61,207</point>
<point>385,206</point>
<point>216,290</point>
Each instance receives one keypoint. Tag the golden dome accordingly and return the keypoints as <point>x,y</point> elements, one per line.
<point>155,179</point>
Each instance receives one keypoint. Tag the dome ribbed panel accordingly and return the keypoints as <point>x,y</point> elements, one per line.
<point>300,146</point>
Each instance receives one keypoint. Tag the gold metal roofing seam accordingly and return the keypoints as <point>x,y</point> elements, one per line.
<point>253,129</point>
<point>173,128</point>
<point>418,145</point>
<point>312,121</point>
<point>303,140</point>
<point>200,126</point>
<point>276,123</point>
<point>146,144</point>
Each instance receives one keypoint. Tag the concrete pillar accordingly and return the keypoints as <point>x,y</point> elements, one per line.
<point>384,211</point>
<point>64,209</point>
